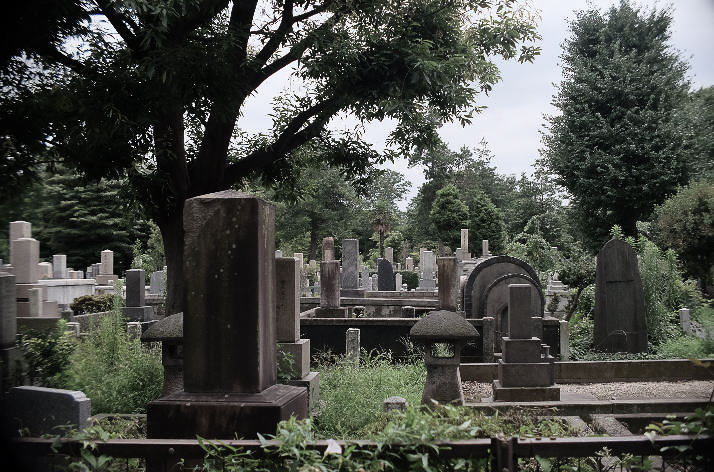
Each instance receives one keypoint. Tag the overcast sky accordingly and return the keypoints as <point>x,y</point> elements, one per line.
<point>516,105</point>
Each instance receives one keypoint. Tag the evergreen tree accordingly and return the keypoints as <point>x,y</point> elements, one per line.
<point>486,222</point>
<point>617,145</point>
<point>449,214</point>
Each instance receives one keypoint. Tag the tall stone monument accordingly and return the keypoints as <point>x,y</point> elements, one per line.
<point>350,269</point>
<point>230,328</point>
<point>525,371</point>
<point>619,315</point>
<point>136,308</point>
<point>449,283</point>
<point>105,275</point>
<point>385,276</point>
<point>330,291</point>
<point>465,244</point>
<point>427,269</point>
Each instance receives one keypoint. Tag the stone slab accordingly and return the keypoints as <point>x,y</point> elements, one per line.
<point>224,415</point>
<point>287,300</point>
<point>519,374</point>
<point>525,394</point>
<point>105,279</point>
<point>321,312</point>
<point>8,310</point>
<point>300,357</point>
<point>41,409</point>
<point>47,308</point>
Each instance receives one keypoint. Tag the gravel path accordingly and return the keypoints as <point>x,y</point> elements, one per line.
<point>475,391</point>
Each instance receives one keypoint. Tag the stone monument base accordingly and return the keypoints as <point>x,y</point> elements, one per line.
<point>312,382</point>
<point>342,312</point>
<point>106,279</point>
<point>138,313</point>
<point>352,292</point>
<point>525,394</point>
<point>185,415</point>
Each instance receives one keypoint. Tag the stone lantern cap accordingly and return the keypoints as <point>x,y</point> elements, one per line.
<point>167,329</point>
<point>442,325</point>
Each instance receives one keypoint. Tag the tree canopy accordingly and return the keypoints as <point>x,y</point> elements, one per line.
<point>617,144</point>
<point>152,90</point>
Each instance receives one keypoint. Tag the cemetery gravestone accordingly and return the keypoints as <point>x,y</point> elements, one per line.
<point>389,254</point>
<point>229,315</point>
<point>328,248</point>
<point>427,265</point>
<point>350,268</point>
<point>409,262</point>
<point>330,291</point>
<point>40,410</point>
<point>59,266</point>
<point>136,308</point>
<point>619,314</point>
<point>448,283</point>
<point>385,276</point>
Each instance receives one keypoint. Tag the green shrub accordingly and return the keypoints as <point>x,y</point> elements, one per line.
<point>686,347</point>
<point>47,355</point>
<point>114,369</point>
<point>91,304</point>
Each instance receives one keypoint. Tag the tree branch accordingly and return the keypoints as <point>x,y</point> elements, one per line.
<point>119,22</point>
<point>186,24</point>
<point>295,134</point>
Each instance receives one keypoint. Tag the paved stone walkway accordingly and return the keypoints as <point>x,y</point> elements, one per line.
<point>475,391</point>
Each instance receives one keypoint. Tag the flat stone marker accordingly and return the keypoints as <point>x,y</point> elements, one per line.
<point>619,314</point>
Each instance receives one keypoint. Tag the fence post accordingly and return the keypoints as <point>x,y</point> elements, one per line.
<point>502,455</point>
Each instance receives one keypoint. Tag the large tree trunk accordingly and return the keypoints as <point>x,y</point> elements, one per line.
<point>172,234</point>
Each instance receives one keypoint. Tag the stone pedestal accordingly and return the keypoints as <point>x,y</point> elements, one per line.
<point>185,415</point>
<point>299,355</point>
<point>136,308</point>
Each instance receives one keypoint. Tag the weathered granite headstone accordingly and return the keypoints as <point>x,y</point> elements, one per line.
<point>375,282</point>
<point>350,268</point>
<point>136,308</point>
<point>299,257</point>
<point>427,267</point>
<point>157,282</point>
<point>389,254</point>
<point>449,283</point>
<point>564,333</point>
<point>619,314</point>
<point>409,262</point>
<point>328,248</point>
<point>8,317</point>
<point>41,410</point>
<point>330,291</point>
<point>465,244</point>
<point>398,281</point>
<point>25,257</point>
<point>484,248</point>
<point>525,370</point>
<point>352,344</point>
<point>385,275</point>
<point>365,279</point>
<point>18,230</point>
<point>44,270</point>
<point>229,319</point>
<point>59,266</point>
<point>685,320</point>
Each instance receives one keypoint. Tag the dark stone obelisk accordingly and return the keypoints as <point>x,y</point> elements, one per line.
<point>229,326</point>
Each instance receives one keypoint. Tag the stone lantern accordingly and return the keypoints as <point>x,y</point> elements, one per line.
<point>169,331</point>
<point>443,334</point>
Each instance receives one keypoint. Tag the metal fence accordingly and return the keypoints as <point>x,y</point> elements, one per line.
<point>666,453</point>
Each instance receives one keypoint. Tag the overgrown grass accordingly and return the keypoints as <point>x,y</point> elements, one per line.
<point>351,395</point>
<point>113,369</point>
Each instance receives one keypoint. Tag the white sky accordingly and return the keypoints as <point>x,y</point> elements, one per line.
<point>516,105</point>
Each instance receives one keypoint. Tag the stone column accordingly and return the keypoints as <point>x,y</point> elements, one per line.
<point>564,332</point>
<point>352,344</point>
<point>427,265</point>
<point>330,291</point>
<point>350,268</point>
<point>685,320</point>
<point>136,308</point>
<point>448,283</point>
<point>59,266</point>
<point>229,329</point>
<point>328,248</point>
<point>465,243</point>
<point>489,337</point>
<point>389,254</point>
<point>484,248</point>
<point>18,230</point>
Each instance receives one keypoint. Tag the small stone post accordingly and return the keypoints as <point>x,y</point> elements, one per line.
<point>564,340</point>
<point>685,320</point>
<point>352,345</point>
<point>484,248</point>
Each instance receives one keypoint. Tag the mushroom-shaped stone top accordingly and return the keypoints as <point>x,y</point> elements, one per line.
<point>442,325</point>
<point>167,329</point>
